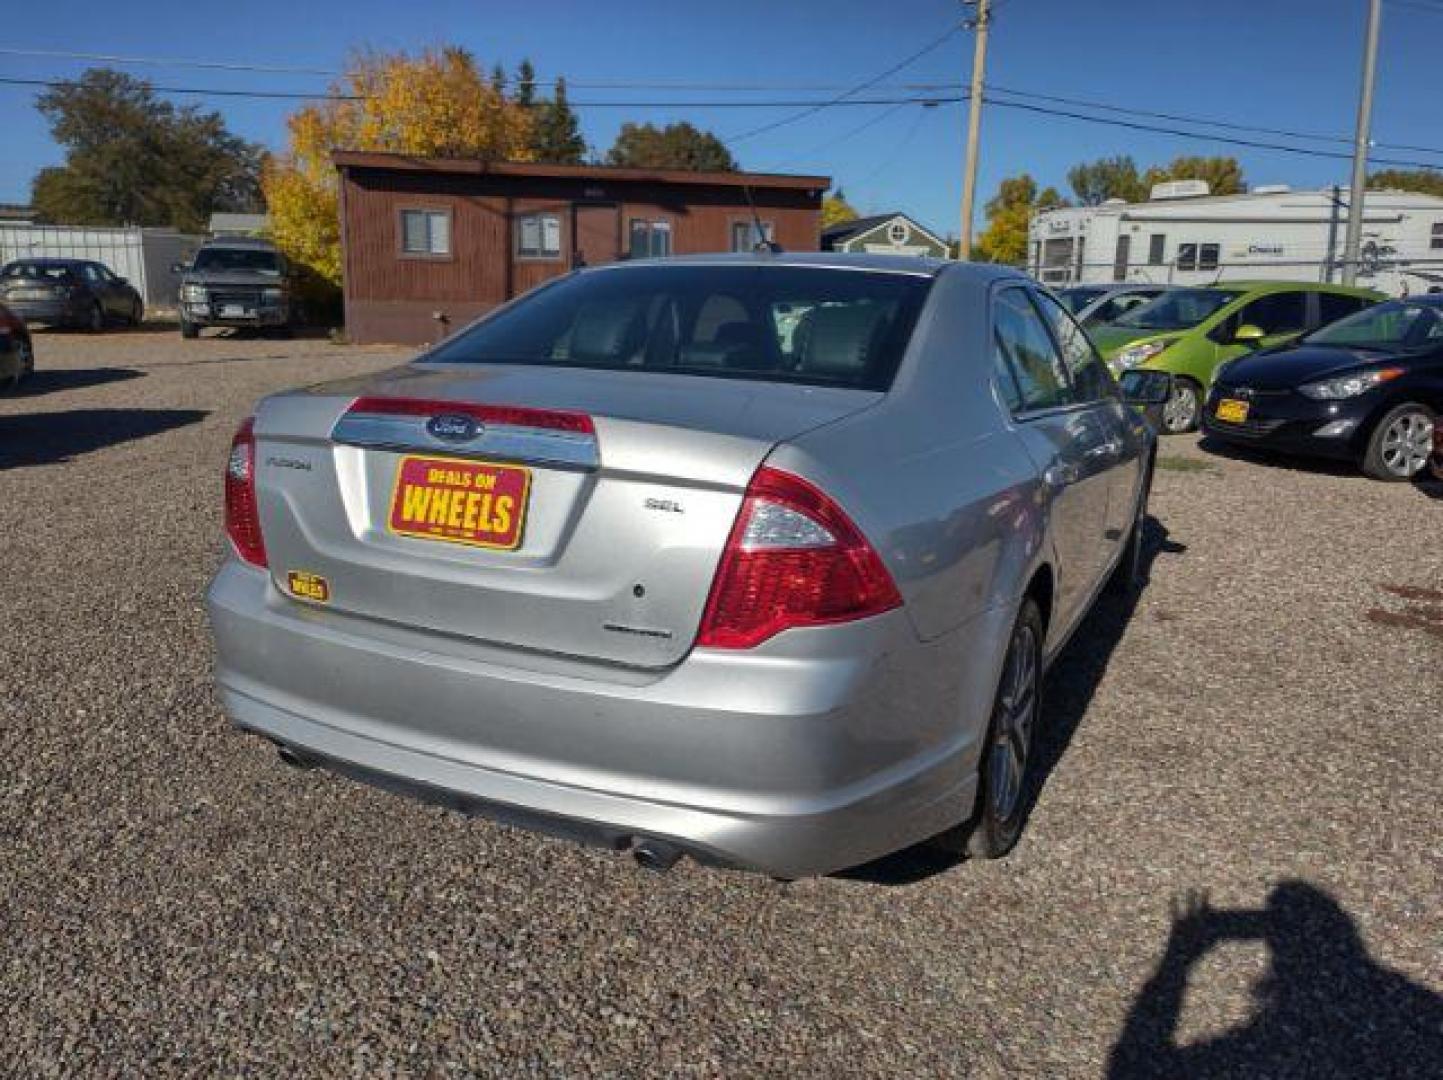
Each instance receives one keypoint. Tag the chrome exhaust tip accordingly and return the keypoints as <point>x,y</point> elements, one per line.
<point>655,855</point>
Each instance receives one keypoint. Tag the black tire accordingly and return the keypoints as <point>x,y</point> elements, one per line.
<point>27,360</point>
<point>995,824</point>
<point>1400,443</point>
<point>1184,408</point>
<point>1127,575</point>
<point>189,330</point>
<point>96,322</point>
<point>137,313</point>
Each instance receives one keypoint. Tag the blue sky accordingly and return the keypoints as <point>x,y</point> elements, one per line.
<point>1289,64</point>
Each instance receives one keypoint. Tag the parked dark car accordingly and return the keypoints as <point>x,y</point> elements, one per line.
<point>69,292</point>
<point>1367,388</point>
<point>238,282</point>
<point>17,355</point>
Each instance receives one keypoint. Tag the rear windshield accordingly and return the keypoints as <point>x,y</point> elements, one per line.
<point>815,325</point>
<point>36,271</point>
<point>1178,309</point>
<point>248,260</point>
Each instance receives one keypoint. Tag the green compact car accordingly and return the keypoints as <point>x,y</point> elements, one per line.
<point>1190,331</point>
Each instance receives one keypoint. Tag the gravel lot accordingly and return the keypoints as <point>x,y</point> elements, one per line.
<point>1262,729</point>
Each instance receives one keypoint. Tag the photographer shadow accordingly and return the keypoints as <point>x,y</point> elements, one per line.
<point>1325,1008</point>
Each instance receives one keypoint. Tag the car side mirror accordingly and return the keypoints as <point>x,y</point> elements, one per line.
<point>1148,392</point>
<point>1248,334</point>
<point>178,268</point>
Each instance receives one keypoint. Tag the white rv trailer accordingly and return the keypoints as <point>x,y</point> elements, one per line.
<point>1184,236</point>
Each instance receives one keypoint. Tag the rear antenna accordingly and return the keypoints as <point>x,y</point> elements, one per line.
<point>764,242</point>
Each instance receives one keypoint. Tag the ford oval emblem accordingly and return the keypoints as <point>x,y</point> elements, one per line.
<point>453,427</point>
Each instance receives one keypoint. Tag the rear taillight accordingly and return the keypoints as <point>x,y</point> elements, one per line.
<point>242,519</point>
<point>793,559</point>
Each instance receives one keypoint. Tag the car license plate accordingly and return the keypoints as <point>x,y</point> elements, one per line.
<point>234,311</point>
<point>460,502</point>
<point>1232,411</point>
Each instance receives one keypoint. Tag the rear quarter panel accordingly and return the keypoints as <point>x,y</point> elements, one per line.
<point>932,474</point>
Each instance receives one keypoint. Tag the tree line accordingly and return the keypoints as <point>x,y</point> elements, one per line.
<point>132,158</point>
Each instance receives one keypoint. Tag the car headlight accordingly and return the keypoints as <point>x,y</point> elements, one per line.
<point>1136,355</point>
<point>273,295</point>
<point>194,294</point>
<point>1348,386</point>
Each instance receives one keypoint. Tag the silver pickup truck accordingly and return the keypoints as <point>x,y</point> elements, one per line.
<point>238,282</point>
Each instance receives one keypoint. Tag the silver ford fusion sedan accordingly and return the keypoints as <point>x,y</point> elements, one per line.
<point>756,559</point>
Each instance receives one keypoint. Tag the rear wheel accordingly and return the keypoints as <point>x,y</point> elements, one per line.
<point>1183,407</point>
<point>137,312</point>
<point>1127,575</point>
<point>1002,790</point>
<point>1400,444</point>
<point>95,321</point>
<point>188,329</point>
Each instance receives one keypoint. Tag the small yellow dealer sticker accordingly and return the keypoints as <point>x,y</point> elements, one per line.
<point>309,586</point>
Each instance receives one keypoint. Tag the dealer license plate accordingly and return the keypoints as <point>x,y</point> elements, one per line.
<point>1232,411</point>
<point>460,502</point>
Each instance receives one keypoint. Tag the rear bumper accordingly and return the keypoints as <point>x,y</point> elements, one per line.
<point>52,312</point>
<point>822,750</point>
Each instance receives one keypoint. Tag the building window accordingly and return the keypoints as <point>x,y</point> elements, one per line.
<point>426,232</point>
<point>650,239</point>
<point>746,238</point>
<point>1120,258</point>
<point>1156,248</point>
<point>1198,256</point>
<point>1435,241</point>
<point>538,236</point>
<point>898,233</point>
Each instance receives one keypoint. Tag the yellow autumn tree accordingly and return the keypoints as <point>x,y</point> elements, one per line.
<point>836,209</point>
<point>437,104</point>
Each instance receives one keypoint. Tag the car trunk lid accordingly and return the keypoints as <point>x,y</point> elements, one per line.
<point>624,486</point>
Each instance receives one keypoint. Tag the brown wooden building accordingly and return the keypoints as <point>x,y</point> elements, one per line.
<point>429,244</point>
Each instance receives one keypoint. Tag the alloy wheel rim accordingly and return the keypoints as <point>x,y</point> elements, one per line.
<point>1407,443</point>
<point>1012,734</point>
<point>1181,408</point>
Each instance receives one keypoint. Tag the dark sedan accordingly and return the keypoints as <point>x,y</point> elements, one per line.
<point>69,292</point>
<point>1368,389</point>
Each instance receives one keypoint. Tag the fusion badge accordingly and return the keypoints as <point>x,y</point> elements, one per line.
<point>462,502</point>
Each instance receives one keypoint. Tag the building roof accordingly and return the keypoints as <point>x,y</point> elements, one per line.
<point>369,159</point>
<point>843,231</point>
<point>225,222</point>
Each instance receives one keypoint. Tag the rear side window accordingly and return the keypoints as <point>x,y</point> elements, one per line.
<point>1025,349</point>
<point>815,325</point>
<point>1276,313</point>
<point>1090,378</point>
<point>1334,306</point>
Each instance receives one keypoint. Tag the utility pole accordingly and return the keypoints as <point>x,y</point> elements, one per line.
<point>1353,238</point>
<point>974,128</point>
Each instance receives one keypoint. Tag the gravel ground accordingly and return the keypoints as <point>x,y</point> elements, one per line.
<point>1234,864</point>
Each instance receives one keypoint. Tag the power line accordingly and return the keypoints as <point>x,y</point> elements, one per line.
<point>586,84</point>
<point>1181,118</point>
<point>847,94</point>
<point>303,95</point>
<point>829,143</point>
<point>1254,144</point>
